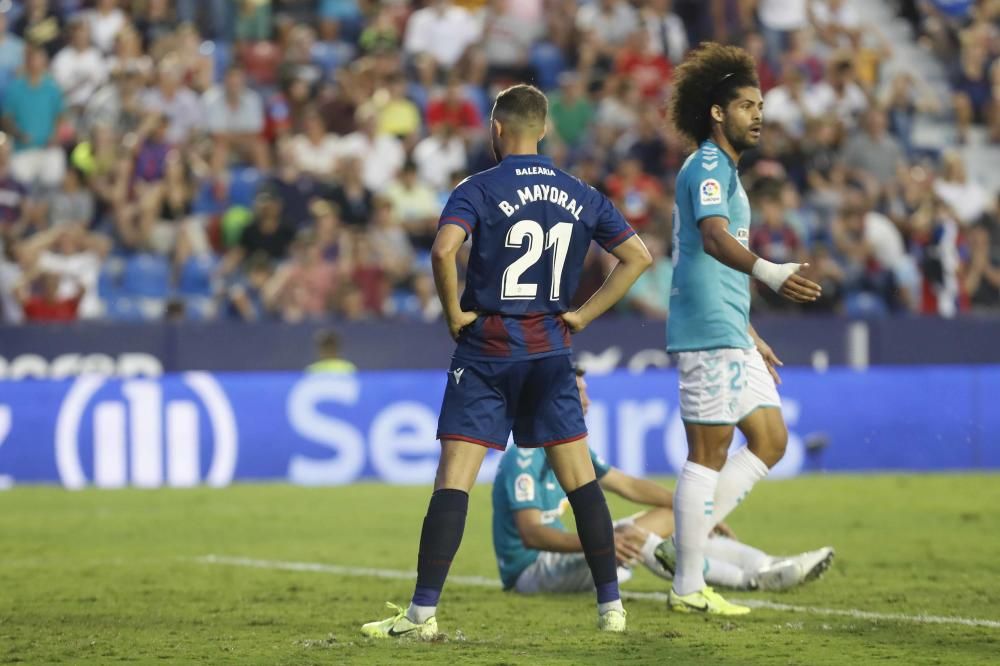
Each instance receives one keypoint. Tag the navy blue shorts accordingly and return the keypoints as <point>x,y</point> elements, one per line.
<point>537,399</point>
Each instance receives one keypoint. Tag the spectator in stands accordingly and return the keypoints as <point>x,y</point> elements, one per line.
<point>774,239</point>
<point>11,52</point>
<point>75,256</point>
<point>32,108</point>
<point>604,26</point>
<point>42,302</point>
<point>315,151</point>
<point>379,156</point>
<point>453,107</point>
<point>390,243</point>
<point>246,298</point>
<point>415,205</point>
<point>397,114</point>
<point>13,195</point>
<point>636,194</point>
<point>874,153</point>
<point>79,67</point>
<point>973,98</point>
<point>329,355</point>
<point>839,94</point>
<point>982,277</point>
<point>509,32</point>
<point>667,34</point>
<point>303,288</point>
<point>966,198</point>
<point>11,276</point>
<point>106,21</point>
<point>442,30</point>
<point>73,203</point>
<point>439,155</point>
<point>649,69</point>
<point>268,235</point>
<point>41,25</point>
<point>902,100</point>
<point>175,101</point>
<point>234,115</point>
<point>570,111</point>
<point>786,102</point>
<point>778,20</point>
<point>352,198</point>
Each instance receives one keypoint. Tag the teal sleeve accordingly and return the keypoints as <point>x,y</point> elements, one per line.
<point>708,190</point>
<point>521,486</point>
<point>600,467</point>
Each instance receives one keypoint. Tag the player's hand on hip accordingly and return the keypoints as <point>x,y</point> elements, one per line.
<point>460,321</point>
<point>628,544</point>
<point>771,360</point>
<point>574,322</point>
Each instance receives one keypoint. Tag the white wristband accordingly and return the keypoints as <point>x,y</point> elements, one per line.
<point>771,274</point>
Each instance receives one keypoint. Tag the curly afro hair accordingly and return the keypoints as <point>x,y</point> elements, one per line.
<point>710,75</point>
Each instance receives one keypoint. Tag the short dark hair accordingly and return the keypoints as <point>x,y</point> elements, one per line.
<point>710,75</point>
<point>522,105</point>
<point>327,341</point>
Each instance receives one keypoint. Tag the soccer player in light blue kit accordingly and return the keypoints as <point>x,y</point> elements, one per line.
<point>727,372</point>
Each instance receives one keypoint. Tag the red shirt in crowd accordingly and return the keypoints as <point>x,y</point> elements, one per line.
<point>461,114</point>
<point>39,308</point>
<point>649,71</point>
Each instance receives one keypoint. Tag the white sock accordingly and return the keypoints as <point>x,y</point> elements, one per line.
<point>693,515</point>
<point>747,558</point>
<point>649,558</point>
<point>742,470</point>
<point>420,614</point>
<point>725,574</point>
<point>610,605</point>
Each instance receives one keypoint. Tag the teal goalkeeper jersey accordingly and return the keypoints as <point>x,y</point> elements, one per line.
<point>709,302</point>
<point>525,481</point>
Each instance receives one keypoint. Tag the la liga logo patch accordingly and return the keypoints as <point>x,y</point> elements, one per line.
<point>711,192</point>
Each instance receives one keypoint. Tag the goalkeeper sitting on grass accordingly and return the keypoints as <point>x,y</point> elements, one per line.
<point>536,553</point>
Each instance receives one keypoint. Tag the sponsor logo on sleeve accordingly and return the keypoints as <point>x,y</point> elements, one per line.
<point>711,192</point>
<point>524,488</point>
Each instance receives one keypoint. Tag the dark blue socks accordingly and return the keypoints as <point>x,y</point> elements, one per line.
<point>439,541</point>
<point>597,535</point>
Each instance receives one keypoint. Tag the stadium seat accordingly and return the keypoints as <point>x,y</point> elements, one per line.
<point>199,308</point>
<point>549,63</point>
<point>195,278</point>
<point>243,186</point>
<point>222,57</point>
<point>146,275</point>
<point>327,56</point>
<point>212,198</point>
<point>123,308</point>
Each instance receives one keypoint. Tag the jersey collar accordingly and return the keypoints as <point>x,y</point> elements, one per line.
<point>724,153</point>
<point>543,159</point>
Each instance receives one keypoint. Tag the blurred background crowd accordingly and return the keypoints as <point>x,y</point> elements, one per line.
<point>287,159</point>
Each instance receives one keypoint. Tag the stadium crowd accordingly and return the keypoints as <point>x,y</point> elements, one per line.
<point>287,159</point>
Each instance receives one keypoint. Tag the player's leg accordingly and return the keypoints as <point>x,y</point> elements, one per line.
<point>474,417</point>
<point>550,414</point>
<point>710,390</point>
<point>764,427</point>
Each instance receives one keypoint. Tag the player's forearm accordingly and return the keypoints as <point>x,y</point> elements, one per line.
<point>633,260</point>
<point>645,492</point>
<point>723,247</point>
<point>446,282</point>
<point>540,537</point>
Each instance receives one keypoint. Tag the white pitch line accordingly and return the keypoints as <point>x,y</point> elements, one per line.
<point>481,581</point>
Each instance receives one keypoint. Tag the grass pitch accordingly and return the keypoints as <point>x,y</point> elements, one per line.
<point>114,576</point>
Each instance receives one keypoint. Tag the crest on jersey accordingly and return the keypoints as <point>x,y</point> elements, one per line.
<point>524,488</point>
<point>711,192</point>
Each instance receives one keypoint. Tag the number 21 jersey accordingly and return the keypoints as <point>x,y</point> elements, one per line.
<point>531,226</point>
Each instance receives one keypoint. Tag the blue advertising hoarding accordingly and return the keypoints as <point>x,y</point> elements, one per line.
<point>214,429</point>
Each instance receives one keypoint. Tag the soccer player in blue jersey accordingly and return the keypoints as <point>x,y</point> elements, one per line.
<point>537,554</point>
<point>531,226</point>
<point>727,372</point>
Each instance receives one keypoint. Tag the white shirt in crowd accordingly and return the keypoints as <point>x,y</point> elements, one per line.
<point>183,111</point>
<point>443,34</point>
<point>247,117</point>
<point>318,159</point>
<point>822,98</point>
<point>785,111</point>
<point>437,158</point>
<point>668,35</point>
<point>105,27</point>
<point>381,157</point>
<point>79,73</point>
<point>784,15</point>
<point>969,200</point>
<point>613,27</point>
